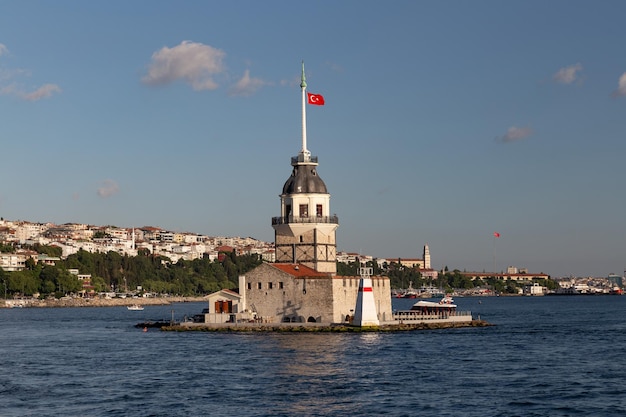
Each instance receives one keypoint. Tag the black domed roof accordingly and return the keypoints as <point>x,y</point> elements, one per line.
<point>304,179</point>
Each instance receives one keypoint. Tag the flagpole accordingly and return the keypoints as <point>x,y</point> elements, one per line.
<point>496,235</point>
<point>303,87</point>
<point>494,255</point>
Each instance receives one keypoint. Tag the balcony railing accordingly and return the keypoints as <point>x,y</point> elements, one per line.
<point>297,219</point>
<point>303,158</point>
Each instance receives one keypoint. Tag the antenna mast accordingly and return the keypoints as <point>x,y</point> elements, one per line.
<point>305,152</point>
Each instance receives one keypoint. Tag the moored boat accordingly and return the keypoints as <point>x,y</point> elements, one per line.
<point>444,310</point>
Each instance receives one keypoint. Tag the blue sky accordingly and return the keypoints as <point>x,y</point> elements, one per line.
<point>444,122</point>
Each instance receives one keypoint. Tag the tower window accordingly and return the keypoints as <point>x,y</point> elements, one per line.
<point>280,285</point>
<point>260,286</point>
<point>270,285</point>
<point>304,210</point>
<point>318,210</point>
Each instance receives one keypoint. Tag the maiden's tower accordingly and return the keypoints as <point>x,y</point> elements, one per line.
<point>302,284</point>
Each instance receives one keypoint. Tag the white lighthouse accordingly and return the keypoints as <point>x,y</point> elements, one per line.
<point>365,311</point>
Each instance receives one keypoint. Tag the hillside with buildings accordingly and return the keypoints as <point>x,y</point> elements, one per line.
<point>72,237</point>
<point>19,237</point>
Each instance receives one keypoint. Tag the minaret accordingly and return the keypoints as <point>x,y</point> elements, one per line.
<point>426,257</point>
<point>305,231</point>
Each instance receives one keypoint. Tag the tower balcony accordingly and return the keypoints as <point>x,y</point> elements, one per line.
<point>298,220</point>
<point>303,158</point>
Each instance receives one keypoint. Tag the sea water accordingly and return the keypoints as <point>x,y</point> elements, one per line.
<point>544,356</point>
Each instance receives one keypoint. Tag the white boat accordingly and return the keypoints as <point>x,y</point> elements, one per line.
<point>135,307</point>
<point>442,311</point>
<point>445,305</point>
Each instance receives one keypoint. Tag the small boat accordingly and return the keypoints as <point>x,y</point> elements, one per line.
<point>135,307</point>
<point>446,304</point>
<point>444,310</point>
<point>409,292</point>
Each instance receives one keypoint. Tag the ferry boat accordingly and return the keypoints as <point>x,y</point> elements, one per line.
<point>443,311</point>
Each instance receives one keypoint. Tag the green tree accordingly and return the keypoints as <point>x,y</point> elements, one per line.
<point>48,278</point>
<point>47,250</point>
<point>6,248</point>
<point>347,269</point>
<point>68,283</point>
<point>99,284</point>
<point>23,283</point>
<point>4,278</point>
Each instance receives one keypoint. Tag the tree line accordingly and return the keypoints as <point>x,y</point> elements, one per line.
<point>401,277</point>
<point>157,274</point>
<point>114,272</point>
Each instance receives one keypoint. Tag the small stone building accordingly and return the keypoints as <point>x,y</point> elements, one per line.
<point>280,293</point>
<point>223,306</point>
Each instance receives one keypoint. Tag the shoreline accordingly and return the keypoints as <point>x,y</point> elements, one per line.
<point>97,302</point>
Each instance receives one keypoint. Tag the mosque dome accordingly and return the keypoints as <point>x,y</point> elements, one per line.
<point>304,180</point>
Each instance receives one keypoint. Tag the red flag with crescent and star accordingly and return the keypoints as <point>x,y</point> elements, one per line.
<point>316,99</point>
<point>496,234</point>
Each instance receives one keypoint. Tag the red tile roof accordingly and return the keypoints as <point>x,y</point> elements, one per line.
<point>300,271</point>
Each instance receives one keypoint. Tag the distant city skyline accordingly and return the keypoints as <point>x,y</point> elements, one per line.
<point>443,123</point>
<point>128,239</point>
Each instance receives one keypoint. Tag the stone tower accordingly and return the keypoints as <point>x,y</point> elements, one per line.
<point>426,257</point>
<point>305,230</point>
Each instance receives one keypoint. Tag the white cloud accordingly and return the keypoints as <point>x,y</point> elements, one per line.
<point>7,90</point>
<point>6,75</point>
<point>44,91</point>
<point>9,85</point>
<point>108,188</point>
<point>514,134</point>
<point>192,62</point>
<point>246,86</point>
<point>568,75</point>
<point>621,87</point>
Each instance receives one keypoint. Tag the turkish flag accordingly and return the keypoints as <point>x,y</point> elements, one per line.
<point>496,234</point>
<point>316,99</point>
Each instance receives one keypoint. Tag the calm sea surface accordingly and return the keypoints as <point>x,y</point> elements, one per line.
<point>545,356</point>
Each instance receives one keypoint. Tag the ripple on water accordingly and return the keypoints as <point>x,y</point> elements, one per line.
<point>550,356</point>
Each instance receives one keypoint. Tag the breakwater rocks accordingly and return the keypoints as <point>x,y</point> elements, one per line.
<point>313,327</point>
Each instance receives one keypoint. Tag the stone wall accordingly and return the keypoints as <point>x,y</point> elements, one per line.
<point>282,296</point>
<point>346,290</point>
